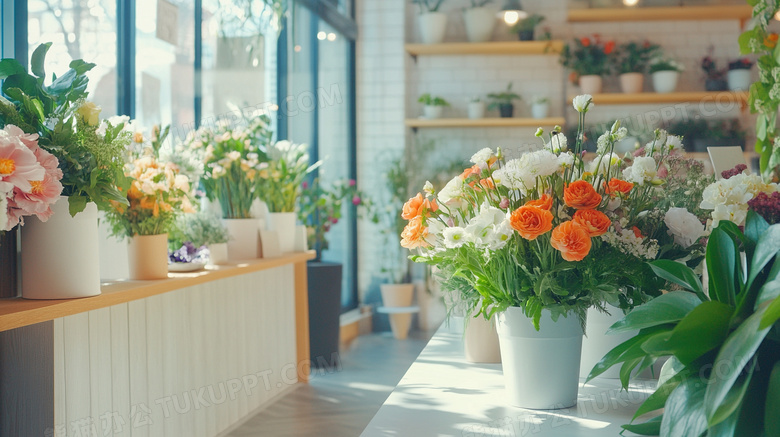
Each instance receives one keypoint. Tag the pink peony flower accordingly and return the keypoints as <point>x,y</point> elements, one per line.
<point>38,201</point>
<point>18,164</point>
<point>29,140</point>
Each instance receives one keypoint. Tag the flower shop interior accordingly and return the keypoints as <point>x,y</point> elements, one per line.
<point>389,217</point>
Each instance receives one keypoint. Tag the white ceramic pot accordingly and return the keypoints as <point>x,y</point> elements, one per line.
<point>432,112</point>
<point>597,343</point>
<point>541,368</point>
<point>244,238</point>
<point>283,223</point>
<point>218,253</point>
<point>632,83</point>
<point>665,81</point>
<point>479,24</point>
<point>433,26</point>
<point>540,110</point>
<point>590,84</point>
<point>739,80</point>
<point>480,340</point>
<point>397,295</point>
<point>60,258</point>
<point>476,110</point>
<point>147,257</point>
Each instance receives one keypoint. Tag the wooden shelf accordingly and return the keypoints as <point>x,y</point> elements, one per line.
<point>551,47</point>
<point>484,122</point>
<point>678,13</point>
<point>680,97</point>
<point>18,312</point>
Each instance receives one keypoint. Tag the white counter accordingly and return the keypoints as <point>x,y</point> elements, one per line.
<point>443,395</point>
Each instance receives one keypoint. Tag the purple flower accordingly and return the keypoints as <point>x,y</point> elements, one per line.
<point>726,174</point>
<point>767,206</point>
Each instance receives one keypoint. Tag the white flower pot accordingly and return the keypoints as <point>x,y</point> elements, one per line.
<point>60,258</point>
<point>590,84</point>
<point>632,83</point>
<point>218,253</point>
<point>540,110</point>
<point>479,24</point>
<point>284,224</point>
<point>739,80</point>
<point>431,112</point>
<point>476,110</point>
<point>597,343</point>
<point>244,238</point>
<point>665,81</point>
<point>480,340</point>
<point>433,26</point>
<point>147,257</point>
<point>541,368</point>
<point>397,295</point>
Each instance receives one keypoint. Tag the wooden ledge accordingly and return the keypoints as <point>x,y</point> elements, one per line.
<point>18,312</point>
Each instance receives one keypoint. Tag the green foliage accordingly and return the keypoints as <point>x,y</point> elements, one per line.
<point>664,64</point>
<point>280,185</point>
<point>588,56</point>
<point>201,229</point>
<point>529,23</point>
<point>429,5</point>
<point>503,98</point>
<point>68,127</point>
<point>633,57</point>
<point>722,375</point>
<point>429,100</point>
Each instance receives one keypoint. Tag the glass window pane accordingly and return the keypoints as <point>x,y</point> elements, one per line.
<point>78,30</point>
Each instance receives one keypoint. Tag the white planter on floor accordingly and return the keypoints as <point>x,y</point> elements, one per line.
<point>218,253</point>
<point>665,81</point>
<point>541,368</point>
<point>597,343</point>
<point>283,223</point>
<point>476,110</point>
<point>432,112</point>
<point>397,295</point>
<point>433,26</point>
<point>590,84</point>
<point>60,258</point>
<point>480,340</point>
<point>244,238</point>
<point>739,80</point>
<point>479,24</point>
<point>540,110</point>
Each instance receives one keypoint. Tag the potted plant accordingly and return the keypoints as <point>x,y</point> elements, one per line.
<point>665,72</point>
<point>540,107</point>
<point>722,373</point>
<point>433,106</point>
<point>631,60</point>
<point>525,27</point>
<point>588,59</point>
<point>738,77</point>
<point>714,80</point>
<point>476,107</point>
<point>432,23</point>
<point>201,230</point>
<point>503,101</point>
<point>479,21</point>
<point>86,155</point>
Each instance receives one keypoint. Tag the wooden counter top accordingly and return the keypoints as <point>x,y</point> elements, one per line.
<point>18,312</point>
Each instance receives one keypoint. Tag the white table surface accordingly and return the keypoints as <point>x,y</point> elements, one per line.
<point>443,395</point>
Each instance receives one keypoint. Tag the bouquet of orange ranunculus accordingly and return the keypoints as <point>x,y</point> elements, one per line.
<point>549,230</point>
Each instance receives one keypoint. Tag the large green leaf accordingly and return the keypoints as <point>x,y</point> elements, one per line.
<point>771,416</point>
<point>666,308</point>
<point>10,67</point>
<point>76,204</point>
<point>734,397</point>
<point>767,248</point>
<point>734,355</point>
<point>628,350</point>
<point>651,427</point>
<point>722,267</point>
<point>701,331</point>
<point>684,412</point>
<point>771,315</point>
<point>755,226</point>
<point>658,398</point>
<point>679,274</point>
<point>671,367</point>
<point>37,59</point>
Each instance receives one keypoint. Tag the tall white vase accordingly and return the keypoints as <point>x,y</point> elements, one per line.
<point>597,343</point>
<point>244,238</point>
<point>479,24</point>
<point>541,368</point>
<point>433,26</point>
<point>284,224</point>
<point>60,257</point>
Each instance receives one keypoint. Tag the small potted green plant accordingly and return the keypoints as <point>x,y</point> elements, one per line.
<point>202,230</point>
<point>433,106</point>
<point>664,73</point>
<point>588,59</point>
<point>738,77</point>
<point>540,107</point>
<point>479,21</point>
<point>476,107</point>
<point>432,22</point>
<point>715,77</point>
<point>525,27</point>
<point>631,60</point>
<point>503,101</point>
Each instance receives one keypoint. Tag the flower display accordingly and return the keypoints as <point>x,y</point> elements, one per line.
<point>29,178</point>
<point>541,231</point>
<point>728,197</point>
<point>588,55</point>
<point>288,165</point>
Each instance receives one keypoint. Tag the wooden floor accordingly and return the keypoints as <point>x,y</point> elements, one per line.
<point>342,401</point>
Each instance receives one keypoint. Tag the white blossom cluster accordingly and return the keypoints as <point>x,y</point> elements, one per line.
<point>628,243</point>
<point>728,197</point>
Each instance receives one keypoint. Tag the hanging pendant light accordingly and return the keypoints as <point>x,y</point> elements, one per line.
<point>512,12</point>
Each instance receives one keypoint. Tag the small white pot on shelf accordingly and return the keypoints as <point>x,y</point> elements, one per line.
<point>632,83</point>
<point>432,112</point>
<point>739,80</point>
<point>665,81</point>
<point>479,24</point>
<point>433,26</point>
<point>540,109</point>
<point>590,84</point>
<point>476,110</point>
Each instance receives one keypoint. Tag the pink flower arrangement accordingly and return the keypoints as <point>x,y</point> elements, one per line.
<point>29,178</point>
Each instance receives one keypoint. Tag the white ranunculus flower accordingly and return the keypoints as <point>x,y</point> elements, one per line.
<point>683,226</point>
<point>452,192</point>
<point>582,103</point>
<point>482,157</point>
<point>454,237</point>
<point>557,143</point>
<point>501,235</point>
<point>642,170</point>
<point>514,176</point>
<point>674,142</point>
<point>541,163</point>
<point>566,159</point>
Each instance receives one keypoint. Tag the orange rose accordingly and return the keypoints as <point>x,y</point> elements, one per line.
<point>473,170</point>
<point>595,222</point>
<point>771,40</point>
<point>531,221</point>
<point>544,202</point>
<point>581,195</point>
<point>414,234</point>
<point>417,206</point>
<point>585,41</point>
<point>617,186</point>
<point>637,232</point>
<point>571,240</point>
<point>609,47</point>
